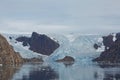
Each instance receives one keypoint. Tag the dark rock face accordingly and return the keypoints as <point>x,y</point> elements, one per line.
<point>24,39</point>
<point>42,44</point>
<point>10,37</point>
<point>96,46</point>
<point>111,55</point>
<point>108,41</point>
<point>7,54</point>
<point>39,43</point>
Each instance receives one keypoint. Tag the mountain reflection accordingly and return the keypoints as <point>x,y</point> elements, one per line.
<point>107,76</point>
<point>58,71</point>
<point>7,72</point>
<point>45,73</point>
<point>112,76</point>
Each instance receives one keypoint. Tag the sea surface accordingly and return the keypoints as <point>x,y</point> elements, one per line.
<point>59,71</point>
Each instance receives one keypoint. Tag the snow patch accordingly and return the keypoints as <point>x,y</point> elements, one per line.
<point>101,49</point>
<point>114,37</point>
<point>107,47</point>
<point>70,37</point>
<point>54,39</point>
<point>1,64</point>
<point>100,39</point>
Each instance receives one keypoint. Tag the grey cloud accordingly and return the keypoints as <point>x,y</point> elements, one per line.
<point>86,16</point>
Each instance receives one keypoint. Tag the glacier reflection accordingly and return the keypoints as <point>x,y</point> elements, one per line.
<point>59,71</point>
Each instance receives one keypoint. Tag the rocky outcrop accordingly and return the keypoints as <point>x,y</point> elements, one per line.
<point>34,60</point>
<point>7,54</point>
<point>96,46</point>
<point>112,51</point>
<point>25,40</point>
<point>66,59</point>
<point>108,41</point>
<point>39,43</point>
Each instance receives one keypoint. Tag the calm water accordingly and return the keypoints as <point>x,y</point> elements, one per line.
<point>59,71</point>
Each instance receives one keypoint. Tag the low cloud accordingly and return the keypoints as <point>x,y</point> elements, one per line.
<point>30,26</point>
<point>83,16</point>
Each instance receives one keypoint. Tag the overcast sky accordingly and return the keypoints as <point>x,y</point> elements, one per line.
<point>83,16</point>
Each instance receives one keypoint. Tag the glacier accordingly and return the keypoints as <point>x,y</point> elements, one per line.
<point>76,45</point>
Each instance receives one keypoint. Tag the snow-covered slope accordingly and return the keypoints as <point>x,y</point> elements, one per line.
<point>75,45</point>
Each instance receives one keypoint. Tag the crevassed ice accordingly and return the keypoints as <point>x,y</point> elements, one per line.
<point>79,46</point>
<point>74,45</point>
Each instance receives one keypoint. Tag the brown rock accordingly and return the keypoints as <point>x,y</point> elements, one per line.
<point>66,59</point>
<point>7,54</point>
<point>34,60</point>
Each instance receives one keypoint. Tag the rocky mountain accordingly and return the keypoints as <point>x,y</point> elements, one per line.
<point>7,54</point>
<point>39,43</point>
<point>66,59</point>
<point>112,49</point>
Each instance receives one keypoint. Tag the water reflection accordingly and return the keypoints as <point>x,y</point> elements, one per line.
<point>6,72</point>
<point>113,74</point>
<point>112,77</point>
<point>45,73</point>
<point>36,72</point>
<point>59,71</point>
<point>68,64</point>
<point>111,71</point>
